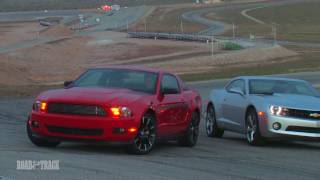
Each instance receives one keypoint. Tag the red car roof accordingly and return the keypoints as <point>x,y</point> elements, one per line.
<point>131,67</point>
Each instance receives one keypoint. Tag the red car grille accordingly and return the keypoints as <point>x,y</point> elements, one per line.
<point>75,131</point>
<point>76,109</point>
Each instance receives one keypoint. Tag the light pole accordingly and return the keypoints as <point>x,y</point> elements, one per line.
<point>145,24</point>
<point>233,31</point>
<point>181,25</point>
<point>127,26</point>
<point>212,48</point>
<point>274,33</point>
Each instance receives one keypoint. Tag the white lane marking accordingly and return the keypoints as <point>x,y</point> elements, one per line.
<point>244,13</point>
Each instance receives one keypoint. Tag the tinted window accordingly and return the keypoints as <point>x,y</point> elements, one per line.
<point>119,78</point>
<point>265,86</point>
<point>239,84</point>
<point>91,78</point>
<point>170,84</point>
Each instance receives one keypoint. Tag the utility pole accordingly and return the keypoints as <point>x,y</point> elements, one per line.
<point>181,25</point>
<point>212,45</point>
<point>233,31</point>
<point>127,26</point>
<point>145,24</point>
<point>274,33</point>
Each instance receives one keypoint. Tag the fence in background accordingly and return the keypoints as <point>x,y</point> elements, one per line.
<point>172,36</point>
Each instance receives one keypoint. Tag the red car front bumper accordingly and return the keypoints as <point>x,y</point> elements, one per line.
<point>83,127</point>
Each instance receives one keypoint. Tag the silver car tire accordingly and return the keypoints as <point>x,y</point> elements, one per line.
<point>253,134</point>
<point>212,128</point>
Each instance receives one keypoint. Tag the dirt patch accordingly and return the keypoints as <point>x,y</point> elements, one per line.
<point>135,51</point>
<point>58,30</point>
<point>11,33</point>
<point>66,59</point>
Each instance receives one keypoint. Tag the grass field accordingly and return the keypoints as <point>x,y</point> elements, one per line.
<point>305,62</point>
<point>165,19</point>
<point>27,5</point>
<point>295,22</point>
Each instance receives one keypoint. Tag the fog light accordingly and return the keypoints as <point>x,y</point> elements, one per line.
<point>118,130</point>
<point>35,124</point>
<point>276,126</point>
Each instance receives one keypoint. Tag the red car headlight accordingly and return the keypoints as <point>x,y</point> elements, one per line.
<point>120,112</point>
<point>40,106</point>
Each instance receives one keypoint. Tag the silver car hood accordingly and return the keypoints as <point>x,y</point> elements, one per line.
<point>294,101</point>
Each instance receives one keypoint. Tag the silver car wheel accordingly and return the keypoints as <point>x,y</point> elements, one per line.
<point>251,127</point>
<point>210,121</point>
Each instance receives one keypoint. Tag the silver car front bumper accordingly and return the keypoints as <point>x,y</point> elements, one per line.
<point>290,127</point>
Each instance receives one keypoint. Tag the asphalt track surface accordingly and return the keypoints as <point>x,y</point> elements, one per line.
<point>226,158</point>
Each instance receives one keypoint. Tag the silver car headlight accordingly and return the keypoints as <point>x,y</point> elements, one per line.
<point>278,110</point>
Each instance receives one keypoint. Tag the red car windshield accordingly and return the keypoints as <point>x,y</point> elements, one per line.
<point>119,78</point>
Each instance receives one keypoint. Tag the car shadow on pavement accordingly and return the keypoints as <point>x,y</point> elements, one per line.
<point>112,149</point>
<point>82,148</point>
<point>305,145</point>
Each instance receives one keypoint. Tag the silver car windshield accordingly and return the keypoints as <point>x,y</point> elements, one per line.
<point>264,86</point>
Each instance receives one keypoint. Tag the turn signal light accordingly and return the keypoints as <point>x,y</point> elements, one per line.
<point>132,130</point>
<point>115,112</point>
<point>261,114</point>
<point>43,106</point>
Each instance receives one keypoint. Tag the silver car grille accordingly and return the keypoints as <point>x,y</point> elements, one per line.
<point>303,114</point>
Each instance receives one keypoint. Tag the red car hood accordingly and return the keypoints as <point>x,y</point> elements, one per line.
<point>95,96</point>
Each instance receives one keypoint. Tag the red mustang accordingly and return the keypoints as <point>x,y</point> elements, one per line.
<point>130,105</point>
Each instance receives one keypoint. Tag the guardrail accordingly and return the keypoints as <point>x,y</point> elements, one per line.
<point>172,36</point>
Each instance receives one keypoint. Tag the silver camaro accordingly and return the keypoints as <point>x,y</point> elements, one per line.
<point>265,108</point>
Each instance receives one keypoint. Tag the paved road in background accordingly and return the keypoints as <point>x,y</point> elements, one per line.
<point>107,21</point>
<point>34,15</point>
<point>110,20</point>
<point>217,27</point>
<point>226,158</point>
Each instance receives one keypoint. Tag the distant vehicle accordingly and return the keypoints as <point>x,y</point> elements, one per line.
<point>106,8</point>
<point>130,105</point>
<point>265,108</point>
